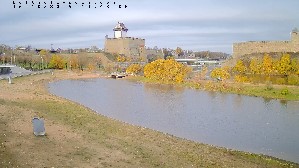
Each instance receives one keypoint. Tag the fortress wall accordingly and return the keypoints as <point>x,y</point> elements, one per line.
<point>128,46</point>
<point>244,48</point>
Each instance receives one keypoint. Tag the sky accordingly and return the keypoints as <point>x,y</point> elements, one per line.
<point>197,25</point>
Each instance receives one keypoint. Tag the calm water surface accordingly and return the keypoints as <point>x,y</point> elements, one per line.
<point>238,122</point>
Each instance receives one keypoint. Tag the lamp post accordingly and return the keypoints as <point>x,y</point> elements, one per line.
<point>42,66</point>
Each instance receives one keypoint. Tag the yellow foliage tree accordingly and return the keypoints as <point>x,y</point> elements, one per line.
<point>240,67</point>
<point>168,71</point>
<point>91,66</point>
<point>241,78</point>
<point>120,58</point>
<point>284,65</point>
<point>220,73</point>
<point>179,51</point>
<point>43,52</point>
<point>254,66</point>
<point>267,65</point>
<point>74,62</point>
<point>134,69</point>
<point>295,66</point>
<point>57,62</point>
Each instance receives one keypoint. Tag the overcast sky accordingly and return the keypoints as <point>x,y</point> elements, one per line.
<point>191,24</point>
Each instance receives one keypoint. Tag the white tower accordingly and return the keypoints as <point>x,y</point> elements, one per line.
<point>295,36</point>
<point>120,30</point>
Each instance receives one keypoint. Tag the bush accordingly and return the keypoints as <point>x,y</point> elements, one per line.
<point>241,79</point>
<point>293,79</point>
<point>56,62</point>
<point>280,81</point>
<point>269,85</point>
<point>220,73</point>
<point>284,91</point>
<point>134,69</point>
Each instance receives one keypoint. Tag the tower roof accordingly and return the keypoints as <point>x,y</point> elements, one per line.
<point>295,30</point>
<point>120,27</point>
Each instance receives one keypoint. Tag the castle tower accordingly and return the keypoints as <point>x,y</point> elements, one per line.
<point>295,36</point>
<point>120,30</point>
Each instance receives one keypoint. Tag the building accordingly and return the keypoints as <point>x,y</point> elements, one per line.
<point>123,45</point>
<point>252,47</point>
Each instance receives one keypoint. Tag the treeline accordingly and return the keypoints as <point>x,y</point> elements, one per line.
<point>46,60</point>
<point>283,70</point>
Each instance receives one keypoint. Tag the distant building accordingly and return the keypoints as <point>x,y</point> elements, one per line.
<point>120,30</point>
<point>240,49</point>
<point>123,45</point>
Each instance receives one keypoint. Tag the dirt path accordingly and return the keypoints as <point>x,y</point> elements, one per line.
<point>77,137</point>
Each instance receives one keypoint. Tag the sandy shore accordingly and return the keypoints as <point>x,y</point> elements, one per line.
<point>78,137</point>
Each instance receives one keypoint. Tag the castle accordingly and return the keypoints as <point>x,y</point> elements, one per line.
<point>123,45</point>
<point>251,47</point>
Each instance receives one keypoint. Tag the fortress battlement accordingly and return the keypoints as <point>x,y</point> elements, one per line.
<point>122,38</point>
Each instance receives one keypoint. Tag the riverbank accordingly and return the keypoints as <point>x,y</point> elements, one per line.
<point>78,137</point>
<point>267,91</point>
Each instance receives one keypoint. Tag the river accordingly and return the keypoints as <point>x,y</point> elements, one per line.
<point>237,122</point>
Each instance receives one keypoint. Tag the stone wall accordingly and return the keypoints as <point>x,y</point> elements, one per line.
<point>128,46</point>
<point>240,49</point>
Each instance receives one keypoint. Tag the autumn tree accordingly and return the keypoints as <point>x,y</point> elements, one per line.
<point>220,73</point>
<point>134,69</point>
<point>254,66</point>
<point>295,66</point>
<point>82,60</point>
<point>43,52</point>
<point>240,67</point>
<point>267,65</point>
<point>284,65</point>
<point>168,71</point>
<point>91,66</point>
<point>179,51</point>
<point>56,62</point>
<point>74,62</point>
<point>120,58</point>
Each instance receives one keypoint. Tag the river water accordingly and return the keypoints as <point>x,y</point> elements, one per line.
<point>244,123</point>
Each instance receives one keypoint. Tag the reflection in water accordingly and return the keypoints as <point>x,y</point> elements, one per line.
<point>267,100</point>
<point>239,122</point>
<point>283,103</point>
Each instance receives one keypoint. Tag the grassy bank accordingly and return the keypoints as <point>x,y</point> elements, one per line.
<point>268,91</point>
<point>78,137</point>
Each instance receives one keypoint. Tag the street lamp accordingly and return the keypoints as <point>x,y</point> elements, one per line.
<point>42,66</point>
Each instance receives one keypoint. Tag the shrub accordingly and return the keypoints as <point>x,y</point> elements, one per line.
<point>280,81</point>
<point>293,79</point>
<point>284,91</point>
<point>269,85</point>
<point>134,69</point>
<point>220,73</point>
<point>57,62</point>
<point>241,79</point>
